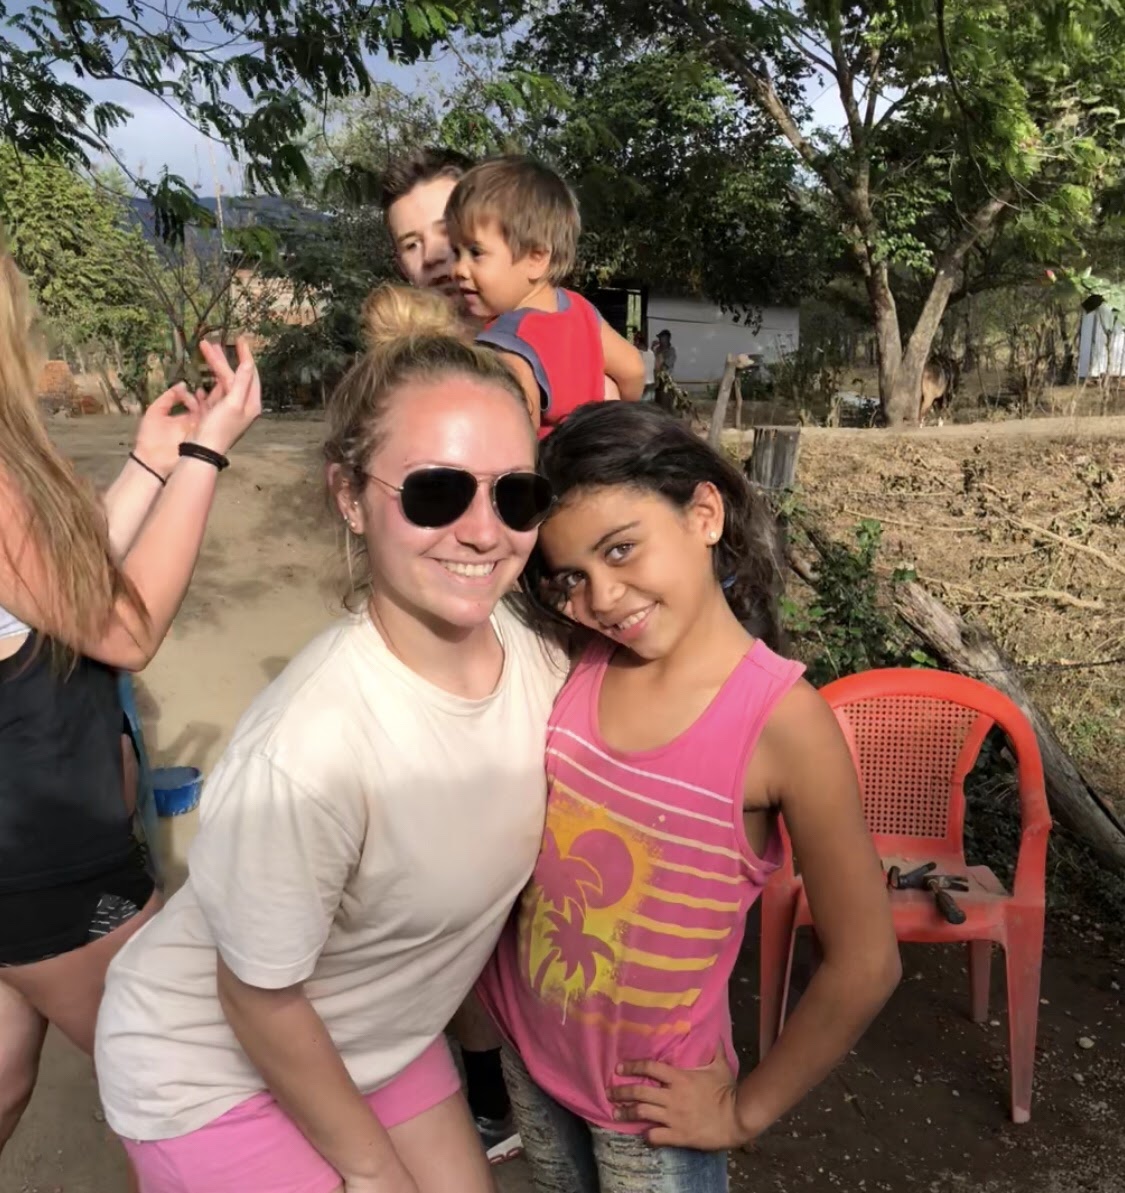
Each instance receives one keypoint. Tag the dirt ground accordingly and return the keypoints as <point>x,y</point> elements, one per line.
<point>922,1102</point>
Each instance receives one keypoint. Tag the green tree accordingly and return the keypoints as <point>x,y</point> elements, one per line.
<point>684,187</point>
<point>242,71</point>
<point>330,263</point>
<point>956,118</point>
<point>70,236</point>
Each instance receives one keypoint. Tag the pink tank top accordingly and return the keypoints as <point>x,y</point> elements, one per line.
<point>623,943</point>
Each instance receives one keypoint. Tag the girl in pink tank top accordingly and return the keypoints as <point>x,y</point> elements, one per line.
<point>677,740</point>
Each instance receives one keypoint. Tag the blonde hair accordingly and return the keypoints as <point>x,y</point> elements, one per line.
<point>532,205</point>
<point>411,335</point>
<point>63,516</point>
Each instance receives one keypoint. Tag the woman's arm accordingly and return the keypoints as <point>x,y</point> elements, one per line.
<point>289,844</point>
<point>155,454</point>
<point>127,503</point>
<point>289,1045</point>
<point>623,364</point>
<point>802,763</point>
<point>163,557</point>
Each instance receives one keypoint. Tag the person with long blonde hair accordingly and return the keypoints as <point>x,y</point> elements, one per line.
<point>88,587</point>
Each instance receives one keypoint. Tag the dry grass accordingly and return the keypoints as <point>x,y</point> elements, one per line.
<point>1018,525</point>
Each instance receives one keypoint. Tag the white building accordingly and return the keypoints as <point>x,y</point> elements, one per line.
<point>703,335</point>
<point>1101,344</point>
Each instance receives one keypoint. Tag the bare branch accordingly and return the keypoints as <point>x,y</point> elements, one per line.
<point>892,108</point>
<point>874,69</point>
<point>761,91</point>
<point>845,81</point>
<point>802,47</point>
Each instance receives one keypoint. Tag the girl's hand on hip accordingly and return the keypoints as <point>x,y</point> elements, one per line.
<point>161,432</point>
<point>695,1108</point>
<point>234,403</point>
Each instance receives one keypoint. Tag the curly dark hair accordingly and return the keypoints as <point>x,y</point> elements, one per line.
<point>638,445</point>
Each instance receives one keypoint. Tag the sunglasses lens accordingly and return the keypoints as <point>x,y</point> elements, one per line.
<point>523,499</point>
<point>435,497</point>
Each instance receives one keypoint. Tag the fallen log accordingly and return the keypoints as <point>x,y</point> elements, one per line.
<point>972,651</point>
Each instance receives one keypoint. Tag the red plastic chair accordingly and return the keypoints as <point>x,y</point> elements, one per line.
<point>915,735</point>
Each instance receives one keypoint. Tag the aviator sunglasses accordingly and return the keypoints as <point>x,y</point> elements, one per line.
<point>436,497</point>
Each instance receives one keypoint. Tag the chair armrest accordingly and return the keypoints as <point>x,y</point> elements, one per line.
<point>1031,863</point>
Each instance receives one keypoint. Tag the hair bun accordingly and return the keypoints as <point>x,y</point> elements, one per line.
<point>401,313</point>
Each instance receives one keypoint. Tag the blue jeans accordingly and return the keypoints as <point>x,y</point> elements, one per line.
<point>566,1154</point>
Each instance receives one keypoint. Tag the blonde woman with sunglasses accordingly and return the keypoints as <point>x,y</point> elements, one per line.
<point>362,840</point>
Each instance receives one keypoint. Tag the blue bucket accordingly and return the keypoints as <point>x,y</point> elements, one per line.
<point>176,789</point>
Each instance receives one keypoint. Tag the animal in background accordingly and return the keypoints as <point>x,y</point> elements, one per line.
<point>939,383</point>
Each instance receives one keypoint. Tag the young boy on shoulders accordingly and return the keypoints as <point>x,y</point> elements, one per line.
<point>513,225</point>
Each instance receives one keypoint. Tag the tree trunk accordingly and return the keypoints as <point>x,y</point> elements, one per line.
<point>971,650</point>
<point>902,404</point>
<point>969,353</point>
<point>884,313</point>
<point>719,415</point>
<point>110,392</point>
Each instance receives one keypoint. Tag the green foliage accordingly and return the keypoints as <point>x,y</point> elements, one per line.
<point>681,186</point>
<point>847,626</point>
<point>71,239</point>
<point>1082,288</point>
<point>243,71</point>
<point>330,264</point>
<point>959,120</point>
<point>360,137</point>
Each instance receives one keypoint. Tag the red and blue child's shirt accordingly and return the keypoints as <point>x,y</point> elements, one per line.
<point>563,349</point>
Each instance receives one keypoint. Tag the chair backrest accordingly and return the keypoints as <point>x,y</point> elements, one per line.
<point>915,735</point>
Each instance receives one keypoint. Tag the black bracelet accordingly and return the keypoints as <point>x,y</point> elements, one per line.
<point>196,451</point>
<point>151,471</point>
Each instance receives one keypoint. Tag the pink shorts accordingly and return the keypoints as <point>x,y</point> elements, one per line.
<point>256,1148</point>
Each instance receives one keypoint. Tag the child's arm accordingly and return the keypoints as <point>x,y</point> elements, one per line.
<point>802,764</point>
<point>623,364</point>
<point>526,378</point>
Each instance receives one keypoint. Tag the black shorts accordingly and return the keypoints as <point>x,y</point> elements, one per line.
<point>35,925</point>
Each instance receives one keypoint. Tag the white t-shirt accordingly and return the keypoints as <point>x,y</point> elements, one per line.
<point>365,833</point>
<point>10,625</point>
<point>649,359</point>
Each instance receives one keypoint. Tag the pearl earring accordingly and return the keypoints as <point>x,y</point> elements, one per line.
<point>713,536</point>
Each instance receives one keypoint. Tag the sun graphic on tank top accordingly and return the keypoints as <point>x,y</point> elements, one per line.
<point>572,940</point>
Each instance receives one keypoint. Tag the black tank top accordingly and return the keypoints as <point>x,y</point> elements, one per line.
<point>62,806</point>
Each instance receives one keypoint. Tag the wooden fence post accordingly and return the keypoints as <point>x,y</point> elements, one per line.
<point>771,469</point>
<point>735,363</point>
<point>773,459</point>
